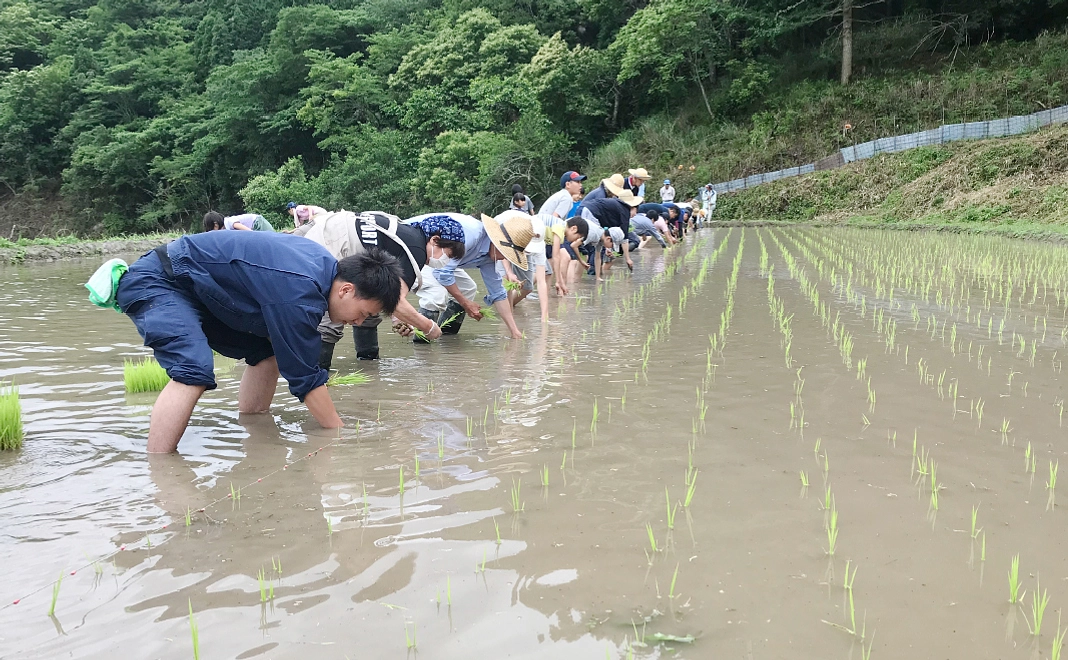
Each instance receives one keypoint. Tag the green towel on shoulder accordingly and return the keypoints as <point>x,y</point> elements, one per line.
<point>105,282</point>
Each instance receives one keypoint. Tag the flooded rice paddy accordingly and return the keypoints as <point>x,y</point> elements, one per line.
<point>765,444</point>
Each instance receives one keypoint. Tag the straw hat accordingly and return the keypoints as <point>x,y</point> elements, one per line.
<point>614,184</point>
<point>639,173</point>
<point>510,237</point>
<point>630,198</point>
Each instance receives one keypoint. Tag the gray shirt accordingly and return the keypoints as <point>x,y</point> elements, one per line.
<point>559,204</point>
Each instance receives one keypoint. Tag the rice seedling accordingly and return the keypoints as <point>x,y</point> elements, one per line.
<point>143,375</point>
<point>982,553</point>
<point>671,592</point>
<point>235,493</point>
<point>188,517</point>
<point>1038,609</point>
<point>193,631</point>
<point>574,431</point>
<point>563,461</point>
<point>441,445</point>
<point>417,466</point>
<point>517,505</point>
<point>260,577</point>
<point>832,529</point>
<point>1058,640</point>
<point>448,590</point>
<point>509,285</point>
<point>816,449</point>
<point>593,422</point>
<point>545,475</point>
<point>975,517</point>
<point>690,490</point>
<point>355,378</point>
<point>402,480</point>
<point>409,641</point>
<point>10,417</point>
<point>1014,580</point>
<point>652,538</point>
<point>497,531</point>
<point>804,479</point>
<point>670,511</point>
<point>55,594</point>
<point>1052,483</point>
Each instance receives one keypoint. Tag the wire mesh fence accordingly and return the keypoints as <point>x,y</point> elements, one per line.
<point>975,130</point>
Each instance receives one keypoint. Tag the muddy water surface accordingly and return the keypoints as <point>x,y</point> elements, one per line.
<point>908,379</point>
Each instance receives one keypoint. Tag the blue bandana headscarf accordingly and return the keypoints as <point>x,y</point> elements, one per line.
<point>443,226</point>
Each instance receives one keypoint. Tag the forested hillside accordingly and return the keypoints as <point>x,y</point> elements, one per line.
<point>138,115</point>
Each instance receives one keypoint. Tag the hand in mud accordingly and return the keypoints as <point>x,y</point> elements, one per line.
<point>402,329</point>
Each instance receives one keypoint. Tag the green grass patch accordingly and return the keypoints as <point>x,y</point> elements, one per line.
<point>144,375</point>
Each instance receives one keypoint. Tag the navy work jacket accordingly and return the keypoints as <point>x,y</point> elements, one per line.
<point>265,284</point>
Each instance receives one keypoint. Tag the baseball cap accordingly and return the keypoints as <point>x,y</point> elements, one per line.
<point>291,205</point>
<point>571,176</point>
<point>667,182</point>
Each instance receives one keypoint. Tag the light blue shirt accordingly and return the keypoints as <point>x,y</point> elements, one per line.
<point>476,255</point>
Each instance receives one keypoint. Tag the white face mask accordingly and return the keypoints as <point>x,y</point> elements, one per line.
<point>437,262</point>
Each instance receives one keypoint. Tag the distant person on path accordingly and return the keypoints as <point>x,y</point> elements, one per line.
<point>435,240</point>
<point>708,199</point>
<point>636,181</point>
<point>259,298</point>
<point>559,203</point>
<point>302,213</point>
<point>214,221</point>
<point>667,193</point>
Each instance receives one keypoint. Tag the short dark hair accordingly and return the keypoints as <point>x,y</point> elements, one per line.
<point>213,220</point>
<point>455,248</point>
<point>652,214</point>
<point>581,226</point>
<point>519,199</point>
<point>375,274</point>
<point>516,188</point>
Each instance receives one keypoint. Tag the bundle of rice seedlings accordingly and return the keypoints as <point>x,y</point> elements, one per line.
<point>355,378</point>
<point>144,375</point>
<point>10,418</point>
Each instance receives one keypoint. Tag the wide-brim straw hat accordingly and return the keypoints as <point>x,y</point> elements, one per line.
<point>639,173</point>
<point>630,198</point>
<point>510,237</point>
<point>614,184</point>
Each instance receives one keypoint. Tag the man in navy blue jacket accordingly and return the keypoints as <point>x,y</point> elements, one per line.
<point>253,296</point>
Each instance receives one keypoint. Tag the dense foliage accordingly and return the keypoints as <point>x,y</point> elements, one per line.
<point>135,115</point>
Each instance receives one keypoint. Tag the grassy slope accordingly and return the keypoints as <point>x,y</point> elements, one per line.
<point>1013,186</point>
<point>804,121</point>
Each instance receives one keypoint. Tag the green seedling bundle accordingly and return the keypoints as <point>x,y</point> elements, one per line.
<point>144,375</point>
<point>10,417</point>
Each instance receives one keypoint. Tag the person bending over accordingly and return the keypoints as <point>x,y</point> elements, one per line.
<point>214,221</point>
<point>258,297</point>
